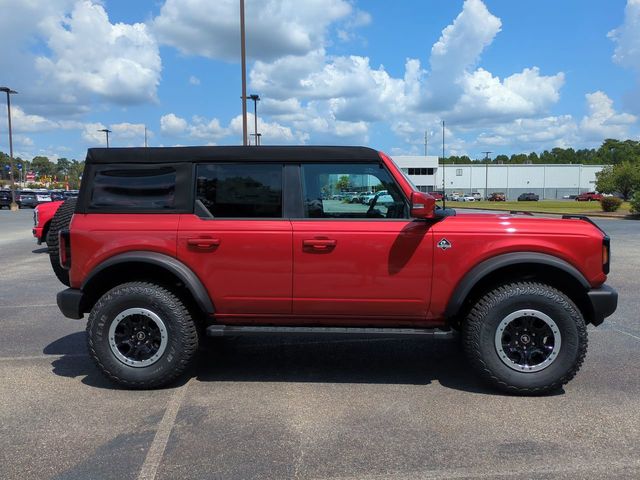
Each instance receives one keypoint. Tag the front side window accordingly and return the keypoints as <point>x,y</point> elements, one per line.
<point>351,191</point>
<point>240,190</point>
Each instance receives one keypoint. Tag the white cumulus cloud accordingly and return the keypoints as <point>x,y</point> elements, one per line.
<point>273,27</point>
<point>118,62</point>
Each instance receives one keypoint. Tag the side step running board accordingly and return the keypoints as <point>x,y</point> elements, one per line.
<point>235,330</point>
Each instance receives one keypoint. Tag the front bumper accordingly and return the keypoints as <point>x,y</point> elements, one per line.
<point>37,233</point>
<point>70,303</point>
<point>604,301</point>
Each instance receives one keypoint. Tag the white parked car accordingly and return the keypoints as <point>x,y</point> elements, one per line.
<point>467,198</point>
<point>43,197</point>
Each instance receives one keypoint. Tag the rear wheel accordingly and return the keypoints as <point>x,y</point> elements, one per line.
<point>141,335</point>
<point>60,221</point>
<point>525,338</point>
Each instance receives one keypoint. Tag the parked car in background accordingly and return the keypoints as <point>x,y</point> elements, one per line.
<point>26,199</point>
<point>477,196</point>
<point>42,216</point>
<point>43,197</point>
<point>569,197</point>
<point>5,198</point>
<point>497,197</point>
<point>467,198</point>
<point>528,197</point>
<point>589,197</point>
<point>57,195</point>
<point>455,196</point>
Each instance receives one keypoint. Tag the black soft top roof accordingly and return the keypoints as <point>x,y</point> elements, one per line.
<point>229,154</point>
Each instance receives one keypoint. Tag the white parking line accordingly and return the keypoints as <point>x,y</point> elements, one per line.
<point>41,357</point>
<point>45,305</point>
<point>156,451</point>
<point>626,333</point>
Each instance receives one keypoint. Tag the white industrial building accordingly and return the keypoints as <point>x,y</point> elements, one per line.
<point>551,181</point>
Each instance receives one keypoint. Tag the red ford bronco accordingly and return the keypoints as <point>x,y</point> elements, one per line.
<point>169,243</point>
<point>42,216</point>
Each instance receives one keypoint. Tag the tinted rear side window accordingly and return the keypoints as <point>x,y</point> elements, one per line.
<point>241,191</point>
<point>150,188</point>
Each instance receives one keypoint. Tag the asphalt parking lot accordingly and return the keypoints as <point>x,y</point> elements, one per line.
<point>339,408</point>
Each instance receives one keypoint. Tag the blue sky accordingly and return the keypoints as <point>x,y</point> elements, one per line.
<point>506,76</point>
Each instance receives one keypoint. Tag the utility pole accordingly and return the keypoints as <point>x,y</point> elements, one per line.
<point>107,132</point>
<point>244,75</point>
<point>145,136</point>
<point>9,92</point>
<point>486,174</point>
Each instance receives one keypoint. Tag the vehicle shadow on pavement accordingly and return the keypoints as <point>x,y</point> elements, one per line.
<point>326,359</point>
<point>410,361</point>
<point>74,361</point>
<point>40,250</point>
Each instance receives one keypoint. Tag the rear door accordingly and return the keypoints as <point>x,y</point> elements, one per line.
<point>237,241</point>
<point>361,260</point>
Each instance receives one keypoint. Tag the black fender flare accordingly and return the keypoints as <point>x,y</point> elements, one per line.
<point>481,270</point>
<point>171,264</point>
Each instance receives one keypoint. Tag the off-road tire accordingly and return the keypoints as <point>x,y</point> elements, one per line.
<point>480,326</point>
<point>60,221</point>
<point>182,335</point>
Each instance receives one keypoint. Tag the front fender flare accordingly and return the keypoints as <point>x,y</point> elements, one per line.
<point>486,267</point>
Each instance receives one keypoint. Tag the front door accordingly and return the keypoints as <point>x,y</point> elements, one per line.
<point>237,241</point>
<point>356,252</point>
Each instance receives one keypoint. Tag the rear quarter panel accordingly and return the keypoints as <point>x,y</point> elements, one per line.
<point>97,237</point>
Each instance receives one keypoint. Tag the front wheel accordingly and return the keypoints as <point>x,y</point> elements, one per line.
<point>525,338</point>
<point>141,335</point>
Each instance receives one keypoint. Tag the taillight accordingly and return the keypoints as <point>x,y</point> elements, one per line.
<point>64,246</point>
<point>606,254</point>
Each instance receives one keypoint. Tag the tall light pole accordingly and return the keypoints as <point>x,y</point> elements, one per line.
<point>256,99</point>
<point>426,140</point>
<point>244,75</point>
<point>9,92</point>
<point>486,173</point>
<point>107,132</point>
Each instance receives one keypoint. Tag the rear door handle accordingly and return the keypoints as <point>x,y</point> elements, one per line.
<point>319,244</point>
<point>203,243</point>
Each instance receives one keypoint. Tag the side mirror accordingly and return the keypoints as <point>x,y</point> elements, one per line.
<point>423,205</point>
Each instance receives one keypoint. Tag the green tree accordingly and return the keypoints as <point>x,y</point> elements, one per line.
<point>623,178</point>
<point>43,166</point>
<point>62,167</point>
<point>343,183</point>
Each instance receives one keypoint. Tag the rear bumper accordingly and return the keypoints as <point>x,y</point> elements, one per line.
<point>604,301</point>
<point>70,303</point>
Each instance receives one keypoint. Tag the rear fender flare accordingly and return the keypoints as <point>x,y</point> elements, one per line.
<point>173,265</point>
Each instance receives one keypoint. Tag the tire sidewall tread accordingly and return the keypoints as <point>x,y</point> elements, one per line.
<point>483,319</point>
<point>182,335</point>
<point>61,220</point>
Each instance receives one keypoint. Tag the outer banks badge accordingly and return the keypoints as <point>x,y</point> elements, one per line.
<point>444,244</point>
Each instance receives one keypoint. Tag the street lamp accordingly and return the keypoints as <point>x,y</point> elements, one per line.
<point>107,132</point>
<point>256,137</point>
<point>256,99</point>
<point>8,91</point>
